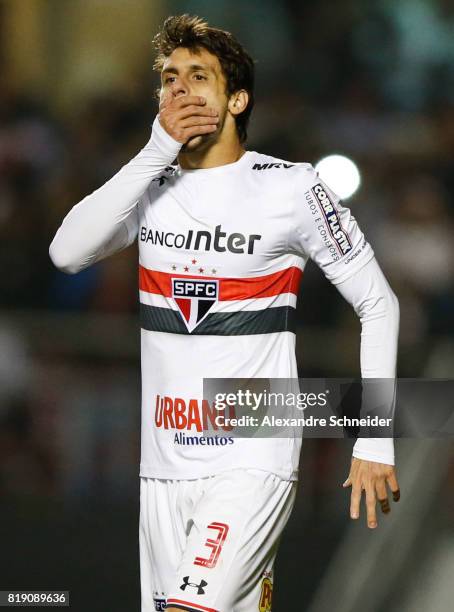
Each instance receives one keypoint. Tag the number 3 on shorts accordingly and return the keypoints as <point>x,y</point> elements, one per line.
<point>214,544</point>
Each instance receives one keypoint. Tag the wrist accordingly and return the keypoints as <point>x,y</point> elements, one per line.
<point>163,141</point>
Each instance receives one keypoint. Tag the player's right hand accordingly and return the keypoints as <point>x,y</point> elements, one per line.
<point>183,117</point>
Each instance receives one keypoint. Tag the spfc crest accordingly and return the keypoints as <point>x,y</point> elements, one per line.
<point>194,298</point>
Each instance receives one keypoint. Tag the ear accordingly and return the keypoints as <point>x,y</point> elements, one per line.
<point>238,102</point>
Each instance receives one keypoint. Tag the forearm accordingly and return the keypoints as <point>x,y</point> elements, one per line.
<point>92,226</point>
<point>378,310</point>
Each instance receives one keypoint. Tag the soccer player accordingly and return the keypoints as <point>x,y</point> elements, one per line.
<point>224,235</point>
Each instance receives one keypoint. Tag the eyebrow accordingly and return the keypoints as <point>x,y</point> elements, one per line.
<point>192,68</point>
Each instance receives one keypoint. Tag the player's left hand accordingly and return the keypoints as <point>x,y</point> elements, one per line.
<point>372,478</point>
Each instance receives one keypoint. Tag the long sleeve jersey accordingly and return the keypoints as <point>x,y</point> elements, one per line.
<point>222,252</point>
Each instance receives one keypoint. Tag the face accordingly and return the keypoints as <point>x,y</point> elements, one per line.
<point>186,73</point>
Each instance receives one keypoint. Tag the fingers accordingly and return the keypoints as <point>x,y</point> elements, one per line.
<point>371,503</point>
<point>184,134</point>
<point>355,500</point>
<point>187,116</point>
<point>180,102</point>
<point>347,483</point>
<point>382,496</point>
<point>183,101</point>
<point>193,109</point>
<point>352,474</point>
<point>394,486</point>
<point>372,478</point>
<point>165,100</point>
<point>195,120</point>
<point>198,130</point>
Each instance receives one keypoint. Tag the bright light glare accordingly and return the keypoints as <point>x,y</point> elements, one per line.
<point>340,174</point>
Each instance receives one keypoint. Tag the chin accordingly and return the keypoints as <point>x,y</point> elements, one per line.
<point>197,143</point>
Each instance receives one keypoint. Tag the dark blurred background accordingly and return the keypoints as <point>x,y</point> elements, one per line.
<point>373,81</point>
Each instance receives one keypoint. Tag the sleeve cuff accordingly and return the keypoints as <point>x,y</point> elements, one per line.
<point>380,450</point>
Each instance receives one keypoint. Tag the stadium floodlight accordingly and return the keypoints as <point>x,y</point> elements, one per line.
<point>340,173</point>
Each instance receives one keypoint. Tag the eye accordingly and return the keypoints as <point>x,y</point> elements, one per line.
<point>200,77</point>
<point>169,79</point>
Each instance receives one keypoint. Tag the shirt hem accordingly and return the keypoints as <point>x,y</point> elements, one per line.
<point>147,472</point>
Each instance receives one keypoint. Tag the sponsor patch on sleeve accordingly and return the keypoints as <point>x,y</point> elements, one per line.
<point>340,237</point>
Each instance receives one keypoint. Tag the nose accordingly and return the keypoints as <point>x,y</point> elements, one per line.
<point>179,87</point>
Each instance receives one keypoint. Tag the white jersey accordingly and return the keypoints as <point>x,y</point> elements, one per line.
<point>222,253</point>
<point>240,235</point>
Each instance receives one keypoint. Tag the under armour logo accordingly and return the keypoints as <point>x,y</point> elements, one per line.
<point>161,179</point>
<point>199,587</point>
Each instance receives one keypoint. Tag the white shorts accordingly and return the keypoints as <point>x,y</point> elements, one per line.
<point>208,545</point>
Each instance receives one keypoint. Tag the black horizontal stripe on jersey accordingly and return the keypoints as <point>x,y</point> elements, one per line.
<point>241,323</point>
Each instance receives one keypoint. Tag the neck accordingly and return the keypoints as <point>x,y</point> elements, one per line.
<point>219,153</point>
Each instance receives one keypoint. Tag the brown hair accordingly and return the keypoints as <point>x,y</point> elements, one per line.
<point>194,33</point>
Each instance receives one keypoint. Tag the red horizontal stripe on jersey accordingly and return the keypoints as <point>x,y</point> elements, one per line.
<point>284,281</point>
<point>190,605</point>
